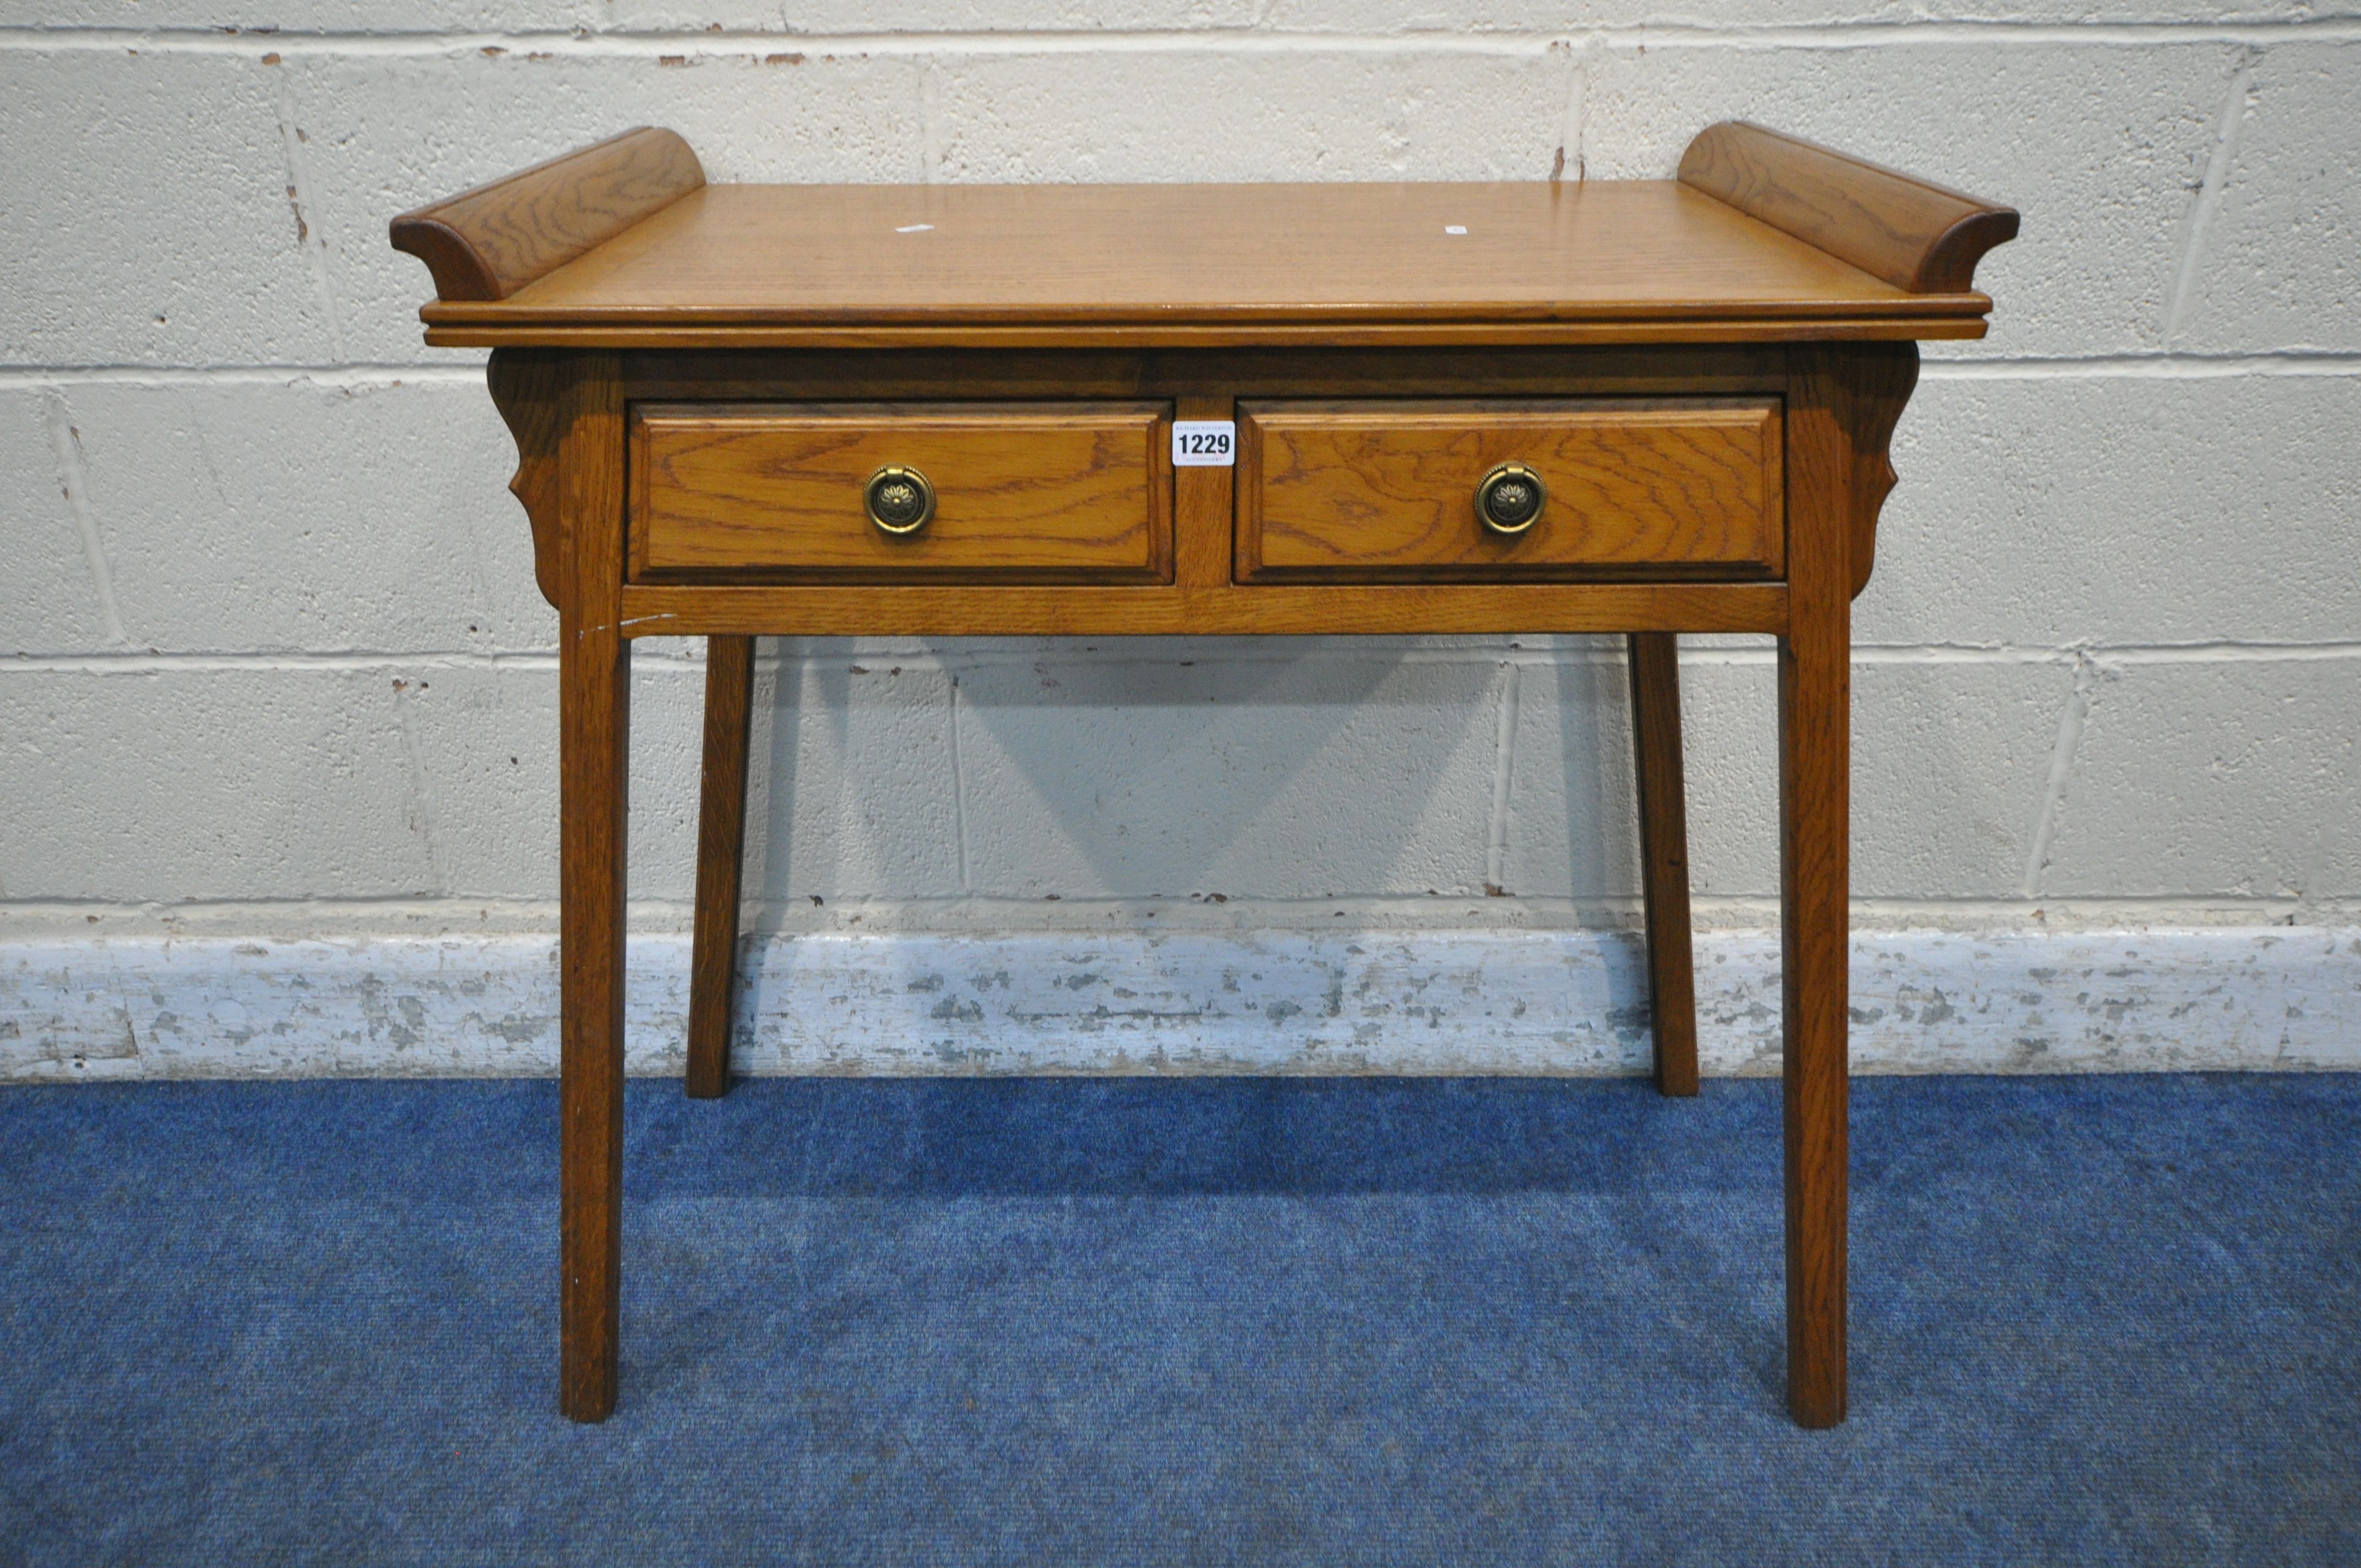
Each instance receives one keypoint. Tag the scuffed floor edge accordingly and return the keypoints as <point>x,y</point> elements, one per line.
<point>1276,1001</point>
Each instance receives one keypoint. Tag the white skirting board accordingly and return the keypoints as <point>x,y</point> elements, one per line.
<point>1269,1002</point>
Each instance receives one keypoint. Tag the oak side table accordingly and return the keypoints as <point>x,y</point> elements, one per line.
<point>1646,406</point>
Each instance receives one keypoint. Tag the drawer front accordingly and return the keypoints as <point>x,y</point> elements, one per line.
<point>1022,492</point>
<point>1371,491</point>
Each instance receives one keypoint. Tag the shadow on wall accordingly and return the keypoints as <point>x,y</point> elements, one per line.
<point>1178,768</point>
<point>1597,763</point>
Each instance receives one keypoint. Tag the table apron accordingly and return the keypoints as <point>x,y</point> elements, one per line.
<point>1458,608</point>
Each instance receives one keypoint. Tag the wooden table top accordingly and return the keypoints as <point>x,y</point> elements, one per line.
<point>1762,238</point>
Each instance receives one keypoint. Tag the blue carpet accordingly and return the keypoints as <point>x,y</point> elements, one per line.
<point>2107,1320</point>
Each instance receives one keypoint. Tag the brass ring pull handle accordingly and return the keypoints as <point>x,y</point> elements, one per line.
<point>1510,499</point>
<point>899,499</point>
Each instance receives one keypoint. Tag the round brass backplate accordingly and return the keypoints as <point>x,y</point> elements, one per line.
<point>899,499</point>
<point>1510,499</point>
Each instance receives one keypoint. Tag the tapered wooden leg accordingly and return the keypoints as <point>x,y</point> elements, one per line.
<point>1664,856</point>
<point>1842,406</point>
<point>721,850</point>
<point>595,724</point>
<point>1813,703</point>
<point>594,737</point>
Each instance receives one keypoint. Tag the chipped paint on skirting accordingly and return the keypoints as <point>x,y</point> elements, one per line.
<point>1274,1001</point>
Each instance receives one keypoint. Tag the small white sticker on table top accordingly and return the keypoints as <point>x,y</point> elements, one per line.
<point>1204,444</point>
<point>914,228</point>
<point>1454,228</point>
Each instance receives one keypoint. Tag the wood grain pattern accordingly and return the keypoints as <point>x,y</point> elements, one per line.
<point>1207,381</point>
<point>1202,505</point>
<point>720,850</point>
<point>485,244</point>
<point>923,610</point>
<point>1155,334</point>
<point>594,741</point>
<point>528,387</point>
<point>1041,492</point>
<point>1826,416</point>
<point>1664,857</point>
<point>1906,231</point>
<point>1884,377</point>
<point>919,375</point>
<point>887,264</point>
<point>1346,492</point>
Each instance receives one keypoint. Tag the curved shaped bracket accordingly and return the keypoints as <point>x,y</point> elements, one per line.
<point>1883,376</point>
<point>528,387</point>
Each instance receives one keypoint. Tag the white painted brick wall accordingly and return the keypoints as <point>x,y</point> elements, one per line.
<point>272,661</point>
